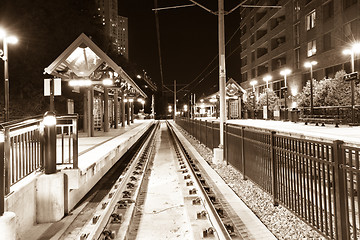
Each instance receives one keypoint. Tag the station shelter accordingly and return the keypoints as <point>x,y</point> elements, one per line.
<point>109,92</point>
<point>210,106</point>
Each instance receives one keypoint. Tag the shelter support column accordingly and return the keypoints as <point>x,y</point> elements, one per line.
<point>122,109</point>
<point>106,109</point>
<point>90,108</point>
<point>132,111</point>
<point>116,109</point>
<point>128,113</point>
<point>85,119</point>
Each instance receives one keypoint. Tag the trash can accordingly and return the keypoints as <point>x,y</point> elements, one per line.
<point>294,115</point>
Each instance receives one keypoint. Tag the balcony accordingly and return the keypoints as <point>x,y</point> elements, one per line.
<point>277,63</point>
<point>261,52</point>
<point>277,42</point>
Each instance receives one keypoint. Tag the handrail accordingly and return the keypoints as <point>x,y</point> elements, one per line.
<point>22,148</point>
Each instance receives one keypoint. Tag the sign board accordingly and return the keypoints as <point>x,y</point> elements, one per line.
<point>351,76</point>
<point>57,86</point>
<point>265,116</point>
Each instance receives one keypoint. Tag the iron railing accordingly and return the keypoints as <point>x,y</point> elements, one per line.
<point>22,149</point>
<point>318,181</point>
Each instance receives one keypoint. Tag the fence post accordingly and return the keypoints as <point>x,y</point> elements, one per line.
<point>243,153</point>
<point>200,122</point>
<point>274,169</point>
<point>206,142</point>
<point>75,143</point>
<point>342,223</point>
<point>2,168</point>
<point>226,143</point>
<point>212,134</point>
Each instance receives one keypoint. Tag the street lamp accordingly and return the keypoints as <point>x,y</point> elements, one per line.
<point>267,78</point>
<point>354,49</point>
<point>284,73</point>
<point>12,40</point>
<point>310,65</point>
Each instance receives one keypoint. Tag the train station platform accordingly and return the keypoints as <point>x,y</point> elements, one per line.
<point>346,133</point>
<point>96,156</point>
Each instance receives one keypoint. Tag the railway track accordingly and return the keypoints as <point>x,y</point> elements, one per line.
<point>121,212</point>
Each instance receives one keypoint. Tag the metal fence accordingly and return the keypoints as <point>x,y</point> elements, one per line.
<point>22,148</point>
<point>318,181</point>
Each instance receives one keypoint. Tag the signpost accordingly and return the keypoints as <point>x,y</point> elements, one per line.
<point>52,87</point>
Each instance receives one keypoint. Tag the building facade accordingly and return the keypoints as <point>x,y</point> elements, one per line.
<point>274,38</point>
<point>116,27</point>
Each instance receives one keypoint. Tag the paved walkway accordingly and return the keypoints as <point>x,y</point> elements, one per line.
<point>86,143</point>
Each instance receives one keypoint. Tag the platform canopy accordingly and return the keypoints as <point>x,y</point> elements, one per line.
<point>84,60</point>
<point>233,91</point>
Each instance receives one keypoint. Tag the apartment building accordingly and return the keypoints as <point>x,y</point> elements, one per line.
<point>116,27</point>
<point>274,38</point>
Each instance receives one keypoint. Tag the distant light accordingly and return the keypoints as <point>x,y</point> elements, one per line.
<point>213,100</point>
<point>267,78</point>
<point>2,33</point>
<point>125,100</point>
<point>138,76</point>
<point>310,64</point>
<point>253,82</point>
<point>185,107</point>
<point>107,82</point>
<point>294,91</point>
<point>201,100</point>
<point>139,99</point>
<point>285,72</point>
<point>12,39</point>
<point>131,100</point>
<point>80,83</point>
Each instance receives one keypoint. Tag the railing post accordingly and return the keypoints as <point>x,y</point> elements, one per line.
<point>50,142</point>
<point>342,223</point>
<point>274,169</point>
<point>2,168</point>
<point>7,160</point>
<point>243,153</point>
<point>75,143</point>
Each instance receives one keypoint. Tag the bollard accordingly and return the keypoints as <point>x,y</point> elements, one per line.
<point>49,122</point>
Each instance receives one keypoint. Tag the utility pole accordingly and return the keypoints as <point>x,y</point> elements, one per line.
<point>174,100</point>
<point>222,70</point>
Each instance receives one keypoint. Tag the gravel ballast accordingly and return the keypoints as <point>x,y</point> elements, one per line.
<point>279,220</point>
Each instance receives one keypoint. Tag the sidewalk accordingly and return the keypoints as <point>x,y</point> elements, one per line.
<point>346,133</point>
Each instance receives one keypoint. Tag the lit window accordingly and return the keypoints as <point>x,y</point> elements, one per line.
<point>310,20</point>
<point>311,48</point>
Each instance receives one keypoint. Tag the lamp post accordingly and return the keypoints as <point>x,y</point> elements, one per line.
<point>284,73</point>
<point>354,49</point>
<point>12,40</point>
<point>310,65</point>
<point>267,78</point>
<point>253,83</point>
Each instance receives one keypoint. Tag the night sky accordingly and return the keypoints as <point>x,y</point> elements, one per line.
<point>188,40</point>
<point>188,37</point>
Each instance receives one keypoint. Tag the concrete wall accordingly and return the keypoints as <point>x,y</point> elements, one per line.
<point>93,165</point>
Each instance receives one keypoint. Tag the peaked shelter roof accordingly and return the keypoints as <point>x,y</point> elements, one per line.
<point>83,59</point>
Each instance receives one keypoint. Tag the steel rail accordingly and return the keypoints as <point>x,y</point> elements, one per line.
<point>94,228</point>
